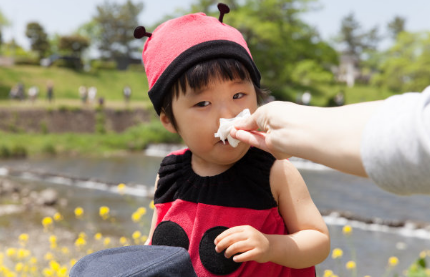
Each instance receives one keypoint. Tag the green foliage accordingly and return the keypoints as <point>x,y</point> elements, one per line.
<point>308,72</point>
<point>418,269</point>
<point>406,66</point>
<point>355,39</point>
<point>38,38</point>
<point>73,45</point>
<point>18,151</point>
<point>278,39</point>
<point>115,27</point>
<point>103,65</point>
<point>49,149</point>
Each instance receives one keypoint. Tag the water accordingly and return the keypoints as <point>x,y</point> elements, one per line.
<point>356,198</point>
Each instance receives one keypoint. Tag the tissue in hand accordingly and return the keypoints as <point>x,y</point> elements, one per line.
<point>225,125</point>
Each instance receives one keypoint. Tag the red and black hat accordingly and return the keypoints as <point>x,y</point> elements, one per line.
<point>180,43</point>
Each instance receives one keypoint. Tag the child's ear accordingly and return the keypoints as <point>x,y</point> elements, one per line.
<point>167,123</point>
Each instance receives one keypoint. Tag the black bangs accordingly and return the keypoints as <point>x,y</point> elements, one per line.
<point>200,75</point>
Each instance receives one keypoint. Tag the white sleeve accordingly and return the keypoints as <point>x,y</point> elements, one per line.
<point>395,147</point>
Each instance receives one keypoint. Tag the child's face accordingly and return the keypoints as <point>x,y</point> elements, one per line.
<point>197,114</point>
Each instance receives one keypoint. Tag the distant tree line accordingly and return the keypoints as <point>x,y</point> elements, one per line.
<point>289,52</point>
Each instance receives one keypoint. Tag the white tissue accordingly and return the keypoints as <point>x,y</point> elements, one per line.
<point>225,125</point>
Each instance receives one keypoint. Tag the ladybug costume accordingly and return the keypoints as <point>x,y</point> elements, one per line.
<point>193,210</point>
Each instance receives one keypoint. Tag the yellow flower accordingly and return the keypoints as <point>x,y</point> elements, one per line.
<point>19,267</point>
<point>52,239</point>
<point>136,217</point>
<point>65,250</point>
<point>423,254</point>
<point>104,212</point>
<point>62,272</point>
<point>328,273</point>
<point>58,217</point>
<point>80,241</point>
<point>337,253</point>
<point>350,265</point>
<point>11,252</point>
<point>48,272</point>
<point>54,265</point>
<point>347,230</point>
<point>79,212</point>
<point>73,262</point>
<point>47,222</point>
<point>23,253</point>
<point>151,205</point>
<point>141,211</point>
<point>136,235</point>
<point>48,256</point>
<point>90,251</point>
<point>23,237</point>
<point>123,241</point>
<point>393,261</point>
<point>33,260</point>
<point>121,188</point>
<point>98,236</point>
<point>106,242</point>
<point>82,235</point>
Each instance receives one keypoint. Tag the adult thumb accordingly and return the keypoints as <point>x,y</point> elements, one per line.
<point>247,124</point>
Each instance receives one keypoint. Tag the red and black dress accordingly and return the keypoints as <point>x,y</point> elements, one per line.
<point>193,210</point>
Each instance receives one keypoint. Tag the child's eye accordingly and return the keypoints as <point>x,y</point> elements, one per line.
<point>238,95</point>
<point>202,104</point>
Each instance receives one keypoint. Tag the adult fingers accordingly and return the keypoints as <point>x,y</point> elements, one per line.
<point>256,139</point>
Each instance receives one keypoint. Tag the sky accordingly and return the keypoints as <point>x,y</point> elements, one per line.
<point>65,16</point>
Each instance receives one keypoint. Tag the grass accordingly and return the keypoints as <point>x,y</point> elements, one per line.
<point>109,83</point>
<point>133,139</point>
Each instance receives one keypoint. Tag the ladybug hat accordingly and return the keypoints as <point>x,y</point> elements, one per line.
<point>180,43</point>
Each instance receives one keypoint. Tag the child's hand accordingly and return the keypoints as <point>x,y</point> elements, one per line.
<point>246,241</point>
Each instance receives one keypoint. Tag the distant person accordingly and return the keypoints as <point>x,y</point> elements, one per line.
<point>50,91</point>
<point>32,93</point>
<point>127,93</point>
<point>388,141</point>
<point>101,102</point>
<point>92,94</point>
<point>83,95</point>
<point>306,98</point>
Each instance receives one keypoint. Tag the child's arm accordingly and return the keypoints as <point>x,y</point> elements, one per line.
<point>308,242</point>
<point>154,218</point>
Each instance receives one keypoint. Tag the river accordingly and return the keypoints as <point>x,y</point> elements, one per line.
<point>342,199</point>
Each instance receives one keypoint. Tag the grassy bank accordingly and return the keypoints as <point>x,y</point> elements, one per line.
<point>109,83</point>
<point>132,140</point>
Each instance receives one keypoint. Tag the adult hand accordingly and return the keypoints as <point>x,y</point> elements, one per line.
<point>267,128</point>
<point>329,136</point>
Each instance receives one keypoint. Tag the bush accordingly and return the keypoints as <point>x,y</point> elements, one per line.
<point>105,65</point>
<point>4,152</point>
<point>19,151</point>
<point>26,61</point>
<point>49,149</point>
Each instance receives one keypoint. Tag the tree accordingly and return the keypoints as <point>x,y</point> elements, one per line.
<point>278,39</point>
<point>38,38</point>
<point>407,63</point>
<point>396,26</point>
<point>73,45</point>
<point>356,40</point>
<point>116,24</point>
<point>3,22</point>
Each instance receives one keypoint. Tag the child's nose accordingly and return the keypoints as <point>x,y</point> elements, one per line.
<point>227,112</point>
